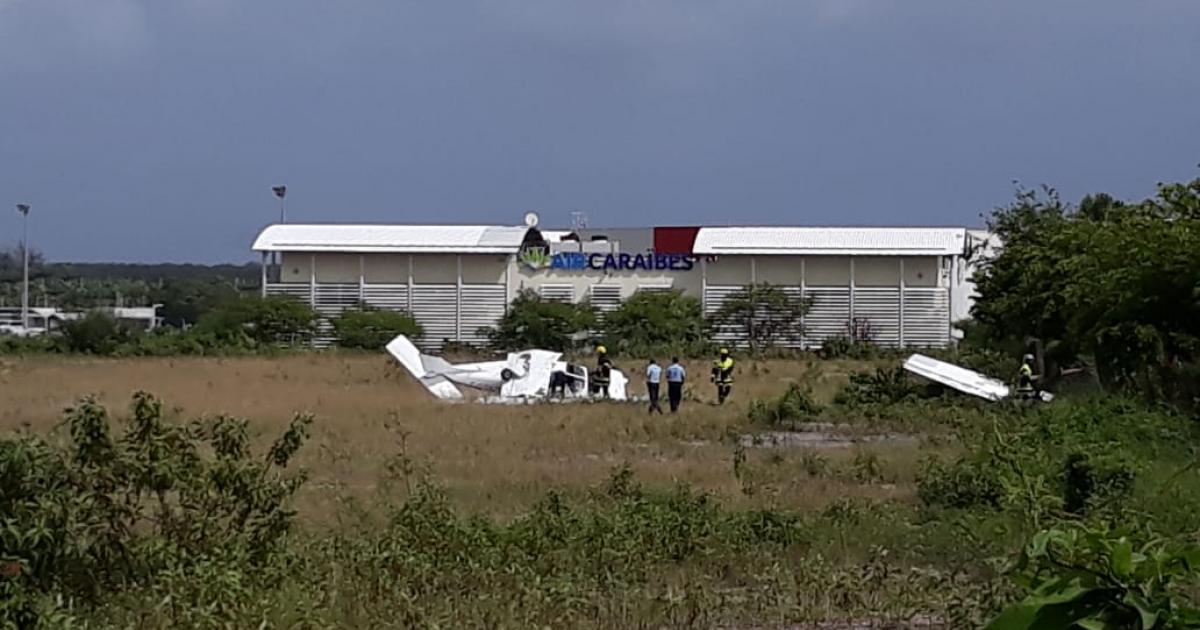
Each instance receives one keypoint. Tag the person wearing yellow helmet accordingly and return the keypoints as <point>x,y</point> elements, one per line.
<point>602,376</point>
<point>722,375</point>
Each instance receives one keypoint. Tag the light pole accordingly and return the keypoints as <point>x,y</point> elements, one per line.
<point>23,208</point>
<point>281,192</point>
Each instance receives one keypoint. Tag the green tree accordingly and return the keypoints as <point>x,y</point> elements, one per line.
<point>532,322</point>
<point>653,321</point>
<point>763,314</point>
<point>370,328</point>
<point>1022,291</point>
<point>1114,281</point>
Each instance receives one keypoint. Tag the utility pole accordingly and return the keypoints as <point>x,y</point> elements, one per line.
<point>23,208</point>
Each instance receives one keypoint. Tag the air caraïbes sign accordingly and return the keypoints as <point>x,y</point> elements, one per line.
<point>538,258</point>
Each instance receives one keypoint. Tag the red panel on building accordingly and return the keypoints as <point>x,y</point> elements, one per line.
<point>675,240</point>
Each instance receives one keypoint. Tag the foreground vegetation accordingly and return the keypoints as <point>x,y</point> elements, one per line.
<point>149,520</point>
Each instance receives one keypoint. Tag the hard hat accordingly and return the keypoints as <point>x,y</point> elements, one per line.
<point>1029,357</point>
<point>601,350</point>
<point>724,350</point>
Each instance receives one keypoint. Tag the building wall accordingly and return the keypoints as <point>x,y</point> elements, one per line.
<point>294,268</point>
<point>490,281</point>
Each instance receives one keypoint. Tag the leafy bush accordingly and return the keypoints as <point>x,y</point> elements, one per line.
<point>372,329</point>
<point>763,314</point>
<point>108,511</point>
<point>1059,459</point>
<point>94,333</point>
<point>657,322</point>
<point>965,484</point>
<point>885,386</point>
<point>269,320</point>
<point>532,322</point>
<point>843,347</point>
<point>1088,478</point>
<point>1096,577</point>
<point>795,404</point>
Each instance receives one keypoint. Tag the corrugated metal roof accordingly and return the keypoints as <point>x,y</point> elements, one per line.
<point>879,241</point>
<point>483,239</point>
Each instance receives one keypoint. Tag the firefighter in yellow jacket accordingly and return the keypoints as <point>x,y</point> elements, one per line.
<point>722,375</point>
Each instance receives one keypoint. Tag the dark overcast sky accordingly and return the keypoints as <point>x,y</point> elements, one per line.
<point>149,130</point>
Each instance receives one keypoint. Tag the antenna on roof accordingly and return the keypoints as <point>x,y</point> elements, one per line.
<point>579,220</point>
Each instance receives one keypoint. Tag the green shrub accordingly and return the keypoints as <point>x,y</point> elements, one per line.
<point>657,322</point>
<point>532,322</point>
<point>94,333</point>
<point>844,347</point>
<point>963,484</point>
<point>1078,576</point>
<point>883,387</point>
<point>372,329</point>
<point>794,405</point>
<point>269,320</point>
<point>1089,478</point>
<point>111,511</point>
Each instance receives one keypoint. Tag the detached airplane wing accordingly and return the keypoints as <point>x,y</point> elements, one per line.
<point>961,379</point>
<point>426,369</point>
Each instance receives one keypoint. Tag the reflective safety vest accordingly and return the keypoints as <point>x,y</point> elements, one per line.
<point>1025,380</point>
<point>723,370</point>
<point>603,371</point>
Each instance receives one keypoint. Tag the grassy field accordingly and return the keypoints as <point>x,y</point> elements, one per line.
<point>492,459</point>
<point>600,515</point>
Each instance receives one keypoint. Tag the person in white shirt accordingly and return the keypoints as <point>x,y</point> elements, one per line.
<point>653,379</point>
<point>675,377</point>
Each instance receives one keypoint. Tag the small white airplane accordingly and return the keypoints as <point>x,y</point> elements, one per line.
<point>525,375</point>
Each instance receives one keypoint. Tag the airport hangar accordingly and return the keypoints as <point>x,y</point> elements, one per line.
<point>906,285</point>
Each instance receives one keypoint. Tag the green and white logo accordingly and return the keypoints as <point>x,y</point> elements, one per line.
<point>535,256</point>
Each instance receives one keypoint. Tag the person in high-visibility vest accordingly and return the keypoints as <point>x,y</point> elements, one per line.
<point>722,375</point>
<point>1026,378</point>
<point>603,373</point>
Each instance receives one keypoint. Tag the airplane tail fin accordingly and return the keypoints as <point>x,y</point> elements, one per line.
<point>424,368</point>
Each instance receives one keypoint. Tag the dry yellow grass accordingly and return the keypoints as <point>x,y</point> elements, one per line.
<point>496,459</point>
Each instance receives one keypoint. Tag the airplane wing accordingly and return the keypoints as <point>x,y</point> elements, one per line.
<point>426,369</point>
<point>953,376</point>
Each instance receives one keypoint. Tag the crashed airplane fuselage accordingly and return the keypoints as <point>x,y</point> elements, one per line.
<point>525,375</point>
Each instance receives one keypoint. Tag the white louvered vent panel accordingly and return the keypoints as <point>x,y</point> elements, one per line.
<point>926,318</point>
<point>386,297</point>
<point>482,307</point>
<point>714,299</point>
<point>828,315</point>
<point>559,292</point>
<point>605,297</point>
<point>877,312</point>
<point>653,288</point>
<point>301,292</point>
<point>332,299</point>
<point>433,306</point>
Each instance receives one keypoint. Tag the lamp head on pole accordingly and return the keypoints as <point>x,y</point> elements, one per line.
<point>280,191</point>
<point>23,208</point>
